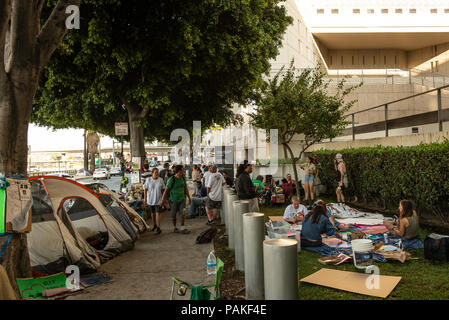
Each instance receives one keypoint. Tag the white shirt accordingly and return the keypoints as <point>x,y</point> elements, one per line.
<point>154,193</point>
<point>205,177</point>
<point>215,183</point>
<point>291,212</point>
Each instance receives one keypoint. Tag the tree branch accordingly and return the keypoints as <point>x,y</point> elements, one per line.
<point>5,14</point>
<point>53,31</point>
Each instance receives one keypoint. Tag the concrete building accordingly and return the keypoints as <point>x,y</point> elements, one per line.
<point>397,48</point>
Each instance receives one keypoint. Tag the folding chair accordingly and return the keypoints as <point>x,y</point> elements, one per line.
<point>216,285</point>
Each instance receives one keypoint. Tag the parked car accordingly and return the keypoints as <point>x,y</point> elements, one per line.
<point>115,171</point>
<point>101,173</point>
<point>153,163</point>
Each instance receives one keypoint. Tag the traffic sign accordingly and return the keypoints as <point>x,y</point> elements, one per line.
<point>121,128</point>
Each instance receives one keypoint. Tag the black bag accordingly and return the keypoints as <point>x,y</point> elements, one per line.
<point>207,235</point>
<point>436,247</point>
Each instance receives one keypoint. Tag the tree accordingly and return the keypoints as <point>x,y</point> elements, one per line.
<point>298,105</point>
<point>159,65</point>
<point>28,38</point>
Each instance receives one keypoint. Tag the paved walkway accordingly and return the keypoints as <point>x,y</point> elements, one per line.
<point>145,272</point>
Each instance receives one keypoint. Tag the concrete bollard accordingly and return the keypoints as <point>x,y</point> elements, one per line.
<point>224,219</point>
<point>253,237</point>
<point>240,207</point>
<point>230,207</point>
<point>280,262</point>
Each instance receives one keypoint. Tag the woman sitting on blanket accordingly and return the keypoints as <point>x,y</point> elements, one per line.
<point>336,224</point>
<point>314,225</point>
<point>408,223</point>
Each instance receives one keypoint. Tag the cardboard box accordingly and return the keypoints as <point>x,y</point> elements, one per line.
<point>361,283</point>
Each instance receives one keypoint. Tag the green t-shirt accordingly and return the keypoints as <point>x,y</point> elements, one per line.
<point>177,189</point>
<point>258,183</point>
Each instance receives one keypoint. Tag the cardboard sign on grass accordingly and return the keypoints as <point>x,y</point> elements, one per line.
<point>353,282</point>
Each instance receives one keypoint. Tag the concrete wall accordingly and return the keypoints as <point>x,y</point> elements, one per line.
<point>372,95</point>
<point>367,59</point>
<point>406,140</point>
<point>298,43</point>
<point>434,58</point>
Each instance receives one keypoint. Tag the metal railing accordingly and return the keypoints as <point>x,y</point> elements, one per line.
<point>438,116</point>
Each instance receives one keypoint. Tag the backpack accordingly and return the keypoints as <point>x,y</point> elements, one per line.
<point>436,247</point>
<point>206,236</point>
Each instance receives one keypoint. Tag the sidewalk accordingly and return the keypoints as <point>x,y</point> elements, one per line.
<point>144,273</point>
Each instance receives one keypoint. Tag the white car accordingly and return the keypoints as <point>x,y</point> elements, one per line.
<point>115,171</point>
<point>101,173</point>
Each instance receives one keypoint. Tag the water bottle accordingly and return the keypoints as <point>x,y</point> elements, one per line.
<point>211,263</point>
<point>385,238</point>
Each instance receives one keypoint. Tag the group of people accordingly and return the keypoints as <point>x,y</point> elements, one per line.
<point>319,220</point>
<point>168,189</point>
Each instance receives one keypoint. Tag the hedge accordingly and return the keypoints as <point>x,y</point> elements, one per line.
<point>419,173</point>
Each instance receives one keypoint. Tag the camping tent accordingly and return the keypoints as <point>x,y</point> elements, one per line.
<point>117,207</point>
<point>67,216</point>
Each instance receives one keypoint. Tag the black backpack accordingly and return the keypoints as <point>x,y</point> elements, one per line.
<point>436,247</point>
<point>207,235</point>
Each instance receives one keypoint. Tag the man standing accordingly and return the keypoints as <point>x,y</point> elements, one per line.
<point>295,212</point>
<point>229,180</point>
<point>177,190</point>
<point>154,187</point>
<point>246,189</point>
<point>165,173</point>
<point>214,185</point>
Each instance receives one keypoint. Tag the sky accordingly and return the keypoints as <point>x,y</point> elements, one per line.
<point>43,139</point>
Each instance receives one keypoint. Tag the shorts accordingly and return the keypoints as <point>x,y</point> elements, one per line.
<point>177,207</point>
<point>154,209</point>
<point>308,178</point>
<point>211,204</point>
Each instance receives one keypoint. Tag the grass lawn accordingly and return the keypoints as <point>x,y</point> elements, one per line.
<point>421,279</point>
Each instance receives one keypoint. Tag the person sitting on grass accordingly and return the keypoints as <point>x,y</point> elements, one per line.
<point>295,212</point>
<point>408,222</point>
<point>314,225</point>
<point>336,224</point>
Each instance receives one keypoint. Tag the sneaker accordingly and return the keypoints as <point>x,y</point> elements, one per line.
<point>154,228</point>
<point>185,231</point>
<point>175,230</point>
<point>158,231</point>
<point>209,223</point>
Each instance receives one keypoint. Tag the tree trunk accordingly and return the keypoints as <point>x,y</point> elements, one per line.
<point>92,162</point>
<point>85,154</point>
<point>25,48</point>
<point>16,99</point>
<point>295,171</point>
<point>136,135</point>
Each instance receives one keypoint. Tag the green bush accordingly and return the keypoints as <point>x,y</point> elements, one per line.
<point>389,174</point>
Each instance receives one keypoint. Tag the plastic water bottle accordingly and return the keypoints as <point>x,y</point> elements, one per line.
<point>385,238</point>
<point>211,263</point>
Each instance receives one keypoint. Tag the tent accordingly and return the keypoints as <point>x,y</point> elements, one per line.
<point>71,226</point>
<point>118,207</point>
